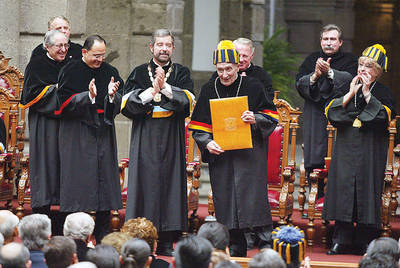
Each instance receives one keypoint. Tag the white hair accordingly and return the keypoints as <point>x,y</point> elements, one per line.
<point>8,222</point>
<point>78,225</point>
<point>35,231</point>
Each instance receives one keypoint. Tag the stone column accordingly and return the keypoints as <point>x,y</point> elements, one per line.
<point>9,30</point>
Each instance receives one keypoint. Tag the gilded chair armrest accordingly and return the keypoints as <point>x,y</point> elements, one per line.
<point>24,180</point>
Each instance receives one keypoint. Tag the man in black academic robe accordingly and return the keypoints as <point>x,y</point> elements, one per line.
<point>245,49</point>
<point>238,177</point>
<point>61,24</point>
<point>39,95</point>
<point>356,174</point>
<point>157,98</point>
<point>316,82</point>
<point>88,147</point>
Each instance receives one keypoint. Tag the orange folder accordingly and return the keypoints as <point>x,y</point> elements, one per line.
<point>229,130</point>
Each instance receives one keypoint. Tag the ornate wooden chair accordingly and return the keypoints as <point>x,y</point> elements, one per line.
<point>315,205</point>
<point>11,81</point>
<point>281,165</point>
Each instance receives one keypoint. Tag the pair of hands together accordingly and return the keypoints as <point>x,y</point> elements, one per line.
<point>213,147</point>
<point>112,88</point>
<point>321,67</point>
<point>158,83</point>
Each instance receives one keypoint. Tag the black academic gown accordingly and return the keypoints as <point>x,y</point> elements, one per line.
<point>39,95</point>
<point>358,163</point>
<point>238,177</point>
<point>74,51</point>
<point>157,169</point>
<point>88,146</point>
<point>315,135</point>
<point>258,73</point>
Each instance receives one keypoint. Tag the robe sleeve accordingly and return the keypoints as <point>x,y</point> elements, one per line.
<point>337,115</point>
<point>375,113</point>
<point>111,109</point>
<point>183,80</point>
<point>266,116</point>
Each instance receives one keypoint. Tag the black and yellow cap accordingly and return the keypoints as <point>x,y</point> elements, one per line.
<point>378,53</point>
<point>225,52</point>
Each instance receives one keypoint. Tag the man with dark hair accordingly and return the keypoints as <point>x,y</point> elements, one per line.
<point>238,177</point>
<point>39,95</point>
<point>157,97</point>
<point>35,231</point>
<point>60,252</point>
<point>89,102</point>
<point>104,256</point>
<point>60,23</point>
<point>192,251</point>
<point>14,255</point>
<point>316,81</point>
<point>216,233</point>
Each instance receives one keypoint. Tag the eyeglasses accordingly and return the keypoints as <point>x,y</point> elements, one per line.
<point>98,56</point>
<point>59,46</point>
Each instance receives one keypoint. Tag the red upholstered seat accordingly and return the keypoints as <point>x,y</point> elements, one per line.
<point>275,149</point>
<point>319,205</point>
<point>323,172</point>
<point>273,198</point>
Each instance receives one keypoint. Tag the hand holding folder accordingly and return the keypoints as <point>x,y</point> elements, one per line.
<point>230,132</point>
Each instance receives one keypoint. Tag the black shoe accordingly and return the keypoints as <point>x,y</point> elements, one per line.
<point>338,249</point>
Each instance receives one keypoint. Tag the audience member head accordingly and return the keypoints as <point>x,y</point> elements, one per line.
<point>56,44</point>
<point>83,264</point>
<point>116,240</point>
<point>60,252</point>
<point>162,46</point>
<point>267,258</point>
<point>226,60</point>
<point>218,256</point>
<point>61,24</point>
<point>142,228</point>
<point>193,251</point>
<point>331,39</point>
<point>104,256</point>
<point>35,231</point>
<point>227,264</point>
<point>94,51</point>
<point>78,225</point>
<point>378,260</point>
<point>216,233</point>
<point>136,254</point>
<point>8,225</point>
<point>14,255</point>
<point>384,245</point>
<point>245,49</point>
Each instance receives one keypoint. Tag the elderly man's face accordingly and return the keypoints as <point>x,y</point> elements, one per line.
<point>245,56</point>
<point>59,49</point>
<point>162,49</point>
<point>227,72</point>
<point>62,26</point>
<point>94,57</point>
<point>330,42</point>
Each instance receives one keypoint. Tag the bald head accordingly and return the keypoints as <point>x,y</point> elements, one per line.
<point>14,255</point>
<point>8,225</point>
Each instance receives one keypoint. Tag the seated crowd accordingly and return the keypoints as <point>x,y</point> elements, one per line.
<point>29,243</point>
